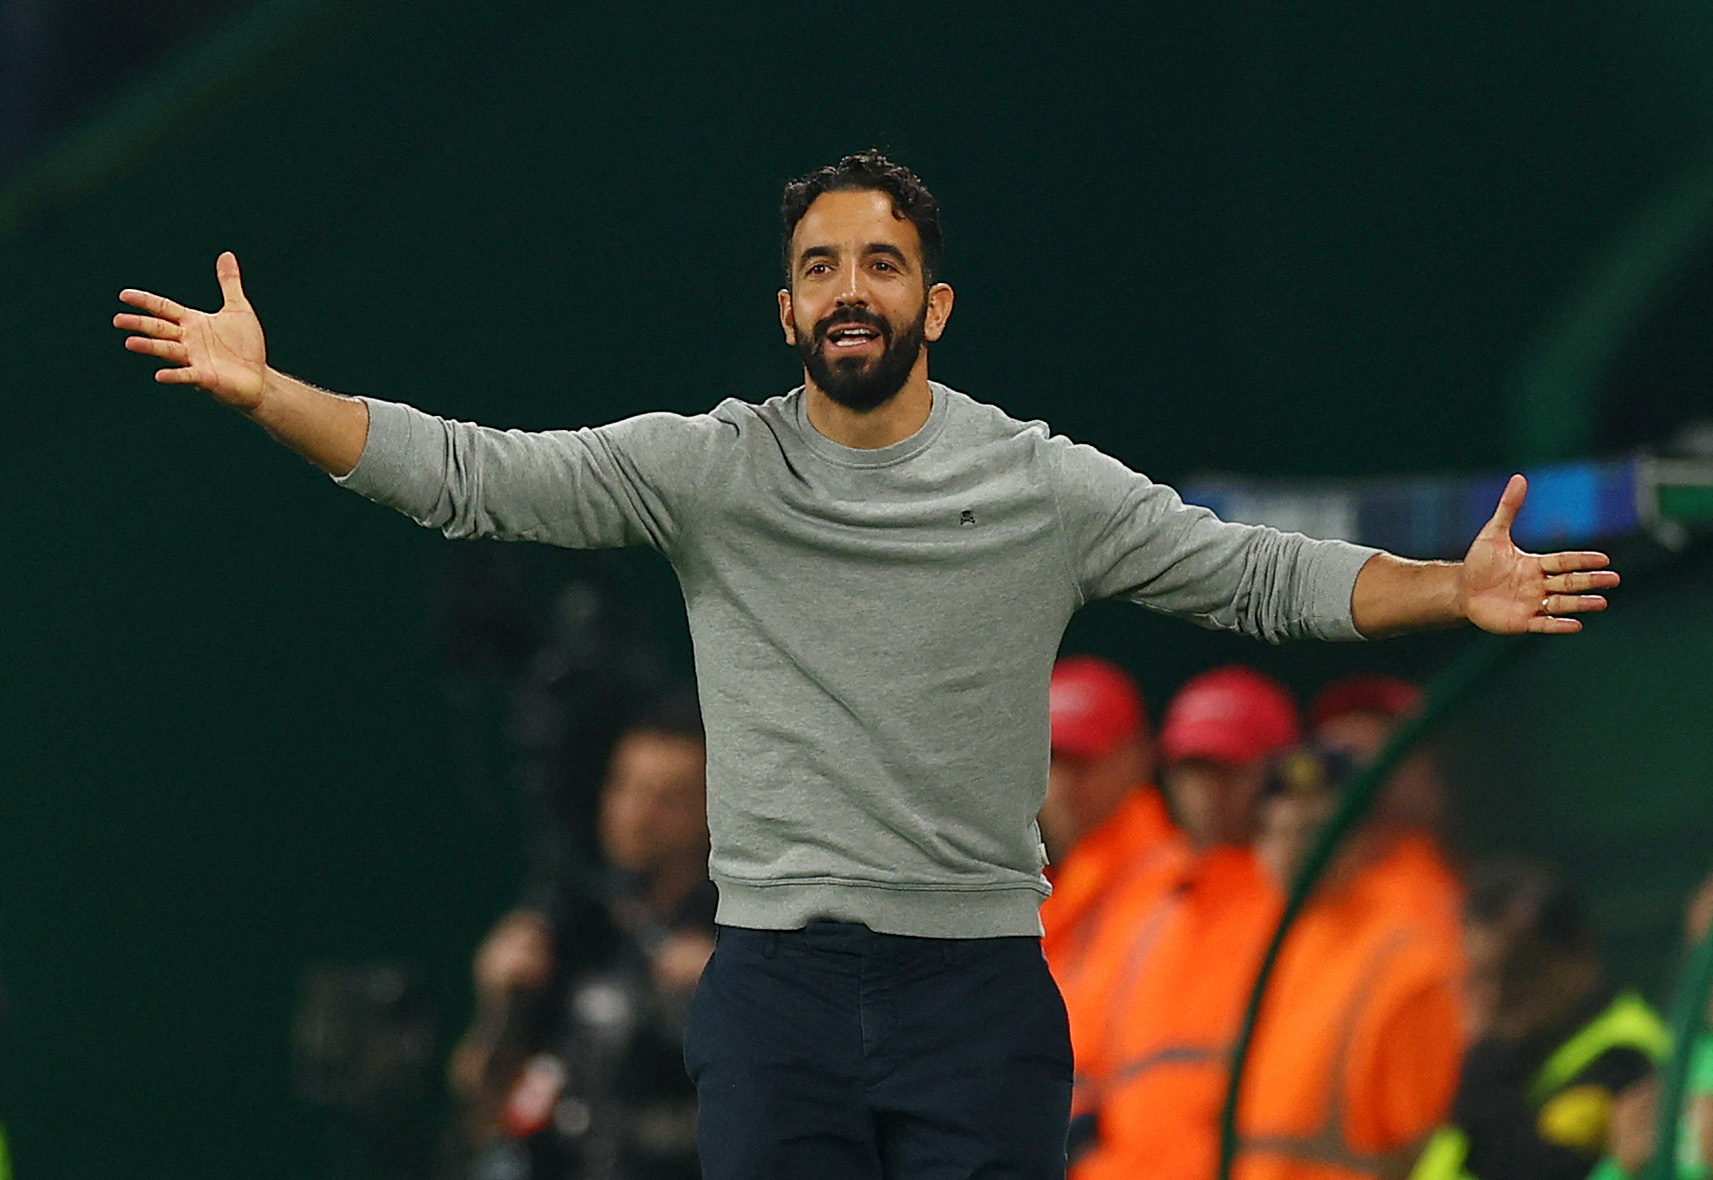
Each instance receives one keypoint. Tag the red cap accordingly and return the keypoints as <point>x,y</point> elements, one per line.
<point>1388,696</point>
<point>1094,706</point>
<point>1233,715</point>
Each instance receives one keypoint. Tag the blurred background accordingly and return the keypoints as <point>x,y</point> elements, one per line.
<point>256,730</point>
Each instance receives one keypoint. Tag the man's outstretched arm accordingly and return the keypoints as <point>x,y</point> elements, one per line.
<point>224,354</point>
<point>634,482</point>
<point>1496,586</point>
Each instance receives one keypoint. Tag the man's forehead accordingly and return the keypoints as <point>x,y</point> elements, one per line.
<point>859,216</point>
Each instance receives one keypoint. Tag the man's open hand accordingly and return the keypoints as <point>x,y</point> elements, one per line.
<point>1507,591</point>
<point>221,352</point>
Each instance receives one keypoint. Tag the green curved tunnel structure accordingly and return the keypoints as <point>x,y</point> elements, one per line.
<point>1556,394</point>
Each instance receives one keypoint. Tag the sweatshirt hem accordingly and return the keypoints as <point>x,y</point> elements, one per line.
<point>995,911</point>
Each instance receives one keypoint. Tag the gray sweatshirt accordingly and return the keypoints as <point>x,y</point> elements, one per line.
<point>873,629</point>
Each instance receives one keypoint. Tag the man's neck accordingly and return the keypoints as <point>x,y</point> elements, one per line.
<point>896,419</point>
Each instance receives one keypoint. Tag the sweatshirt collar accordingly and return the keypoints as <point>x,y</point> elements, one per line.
<point>885,456</point>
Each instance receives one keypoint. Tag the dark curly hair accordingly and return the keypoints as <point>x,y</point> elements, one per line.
<point>870,171</point>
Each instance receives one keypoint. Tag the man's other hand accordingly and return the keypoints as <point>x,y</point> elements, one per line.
<point>1506,591</point>
<point>223,352</point>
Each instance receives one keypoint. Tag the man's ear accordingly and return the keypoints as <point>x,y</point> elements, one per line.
<point>786,321</point>
<point>940,299</point>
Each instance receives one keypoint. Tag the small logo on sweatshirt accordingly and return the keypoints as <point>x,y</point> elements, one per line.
<point>966,517</point>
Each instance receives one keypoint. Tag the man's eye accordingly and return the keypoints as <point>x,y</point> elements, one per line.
<point>816,268</point>
<point>884,265</point>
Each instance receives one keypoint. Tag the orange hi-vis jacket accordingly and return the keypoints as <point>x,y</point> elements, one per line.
<point>1423,888</point>
<point>1094,872</point>
<point>1177,971</point>
<point>1110,952</point>
<point>1356,1057</point>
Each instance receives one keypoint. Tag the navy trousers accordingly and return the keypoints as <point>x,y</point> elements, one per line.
<point>835,1053</point>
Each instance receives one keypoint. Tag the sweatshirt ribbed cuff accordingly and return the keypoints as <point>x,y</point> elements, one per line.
<point>1330,594</point>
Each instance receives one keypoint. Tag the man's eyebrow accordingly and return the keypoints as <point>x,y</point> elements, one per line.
<point>888,249</point>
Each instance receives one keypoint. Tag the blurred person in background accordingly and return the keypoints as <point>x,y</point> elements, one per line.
<point>573,1065</point>
<point>1179,950</point>
<point>1555,1045</point>
<point>1355,1057</point>
<point>1103,818</point>
<point>1357,716</point>
<point>1635,1115</point>
<point>1105,826</point>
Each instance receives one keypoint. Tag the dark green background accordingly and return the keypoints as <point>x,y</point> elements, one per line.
<point>1336,240</point>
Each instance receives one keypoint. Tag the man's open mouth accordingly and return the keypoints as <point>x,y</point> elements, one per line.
<point>850,337</point>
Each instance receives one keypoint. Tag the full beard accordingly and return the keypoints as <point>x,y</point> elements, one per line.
<point>858,383</point>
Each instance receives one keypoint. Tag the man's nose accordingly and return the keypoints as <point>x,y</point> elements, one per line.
<point>850,287</point>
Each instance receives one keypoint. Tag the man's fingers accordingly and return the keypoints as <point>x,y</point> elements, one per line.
<point>1572,604</point>
<point>167,350</point>
<point>1581,582</point>
<point>154,304</point>
<point>231,284</point>
<point>1565,563</point>
<point>149,326</point>
<point>178,376</point>
<point>1542,625</point>
<point>1510,503</point>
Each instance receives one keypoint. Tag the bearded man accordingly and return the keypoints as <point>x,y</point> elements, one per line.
<point>877,570</point>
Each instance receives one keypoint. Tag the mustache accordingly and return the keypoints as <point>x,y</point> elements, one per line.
<point>847,317</point>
